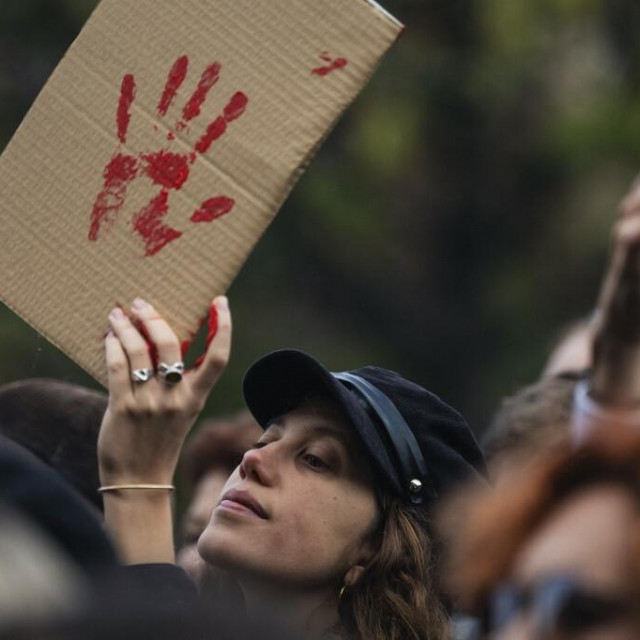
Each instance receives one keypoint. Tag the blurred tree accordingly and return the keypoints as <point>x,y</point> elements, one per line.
<point>456,218</point>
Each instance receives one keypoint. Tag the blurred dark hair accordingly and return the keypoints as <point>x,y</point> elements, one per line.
<point>59,423</point>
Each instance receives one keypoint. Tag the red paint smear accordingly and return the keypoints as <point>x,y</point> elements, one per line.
<point>184,347</point>
<point>148,223</point>
<point>171,136</point>
<point>338,63</point>
<point>169,170</point>
<point>214,131</point>
<point>127,95</point>
<point>120,170</point>
<point>212,209</point>
<point>209,77</point>
<point>234,109</point>
<point>211,334</point>
<point>176,77</point>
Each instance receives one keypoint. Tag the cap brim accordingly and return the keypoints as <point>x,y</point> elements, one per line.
<point>282,380</point>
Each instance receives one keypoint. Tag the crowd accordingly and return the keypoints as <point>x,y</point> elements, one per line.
<point>352,504</point>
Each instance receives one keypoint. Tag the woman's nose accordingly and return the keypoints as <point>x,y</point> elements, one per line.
<point>260,465</point>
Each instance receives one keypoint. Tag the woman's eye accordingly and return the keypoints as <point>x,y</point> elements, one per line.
<point>314,462</point>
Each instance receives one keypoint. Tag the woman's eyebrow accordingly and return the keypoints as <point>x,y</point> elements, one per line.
<point>323,430</point>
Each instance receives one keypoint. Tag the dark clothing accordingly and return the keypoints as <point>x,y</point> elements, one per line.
<point>41,494</point>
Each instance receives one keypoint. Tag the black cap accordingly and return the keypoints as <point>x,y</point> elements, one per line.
<point>421,445</point>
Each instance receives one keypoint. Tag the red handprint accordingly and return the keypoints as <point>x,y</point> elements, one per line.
<point>166,169</point>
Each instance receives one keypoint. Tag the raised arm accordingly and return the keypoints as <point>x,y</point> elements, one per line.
<point>145,426</point>
<point>612,393</point>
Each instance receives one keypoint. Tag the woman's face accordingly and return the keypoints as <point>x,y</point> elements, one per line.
<point>580,563</point>
<point>300,508</point>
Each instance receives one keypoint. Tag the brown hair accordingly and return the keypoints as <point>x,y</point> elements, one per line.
<point>397,597</point>
<point>532,420</point>
<point>498,523</point>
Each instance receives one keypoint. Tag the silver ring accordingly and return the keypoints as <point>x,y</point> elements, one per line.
<point>171,373</point>
<point>141,375</point>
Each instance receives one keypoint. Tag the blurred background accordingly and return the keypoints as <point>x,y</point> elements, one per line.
<point>453,224</point>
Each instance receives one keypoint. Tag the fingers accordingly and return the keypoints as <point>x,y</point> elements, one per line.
<point>217,355</point>
<point>117,368</point>
<point>158,330</point>
<point>132,343</point>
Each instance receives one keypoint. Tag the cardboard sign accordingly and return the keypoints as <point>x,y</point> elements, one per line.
<point>161,148</point>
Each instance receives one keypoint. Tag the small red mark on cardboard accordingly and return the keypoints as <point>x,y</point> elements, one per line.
<point>176,77</point>
<point>148,223</point>
<point>334,65</point>
<point>213,209</point>
<point>127,95</point>
<point>171,136</point>
<point>209,77</point>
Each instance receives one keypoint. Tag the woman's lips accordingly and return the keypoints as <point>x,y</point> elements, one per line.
<point>242,502</point>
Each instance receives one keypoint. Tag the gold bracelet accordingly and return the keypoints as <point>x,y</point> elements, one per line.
<point>123,487</point>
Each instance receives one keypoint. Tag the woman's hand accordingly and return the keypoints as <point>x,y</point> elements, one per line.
<point>146,423</point>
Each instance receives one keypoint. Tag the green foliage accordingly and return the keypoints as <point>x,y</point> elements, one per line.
<point>455,220</point>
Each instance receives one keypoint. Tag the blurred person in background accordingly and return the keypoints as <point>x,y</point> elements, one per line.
<point>555,554</point>
<point>207,460</point>
<point>59,423</point>
<point>326,523</point>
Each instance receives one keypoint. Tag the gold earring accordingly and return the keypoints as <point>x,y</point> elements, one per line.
<point>341,592</point>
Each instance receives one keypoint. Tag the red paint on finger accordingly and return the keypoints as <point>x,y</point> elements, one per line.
<point>213,324</point>
<point>338,63</point>
<point>234,109</point>
<point>209,77</point>
<point>169,170</point>
<point>117,174</point>
<point>211,334</point>
<point>184,347</point>
<point>176,77</point>
<point>148,223</point>
<point>127,95</point>
<point>213,209</point>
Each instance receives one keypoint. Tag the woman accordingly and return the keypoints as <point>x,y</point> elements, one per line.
<point>325,523</point>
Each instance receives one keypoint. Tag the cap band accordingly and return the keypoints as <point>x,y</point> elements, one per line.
<point>413,469</point>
